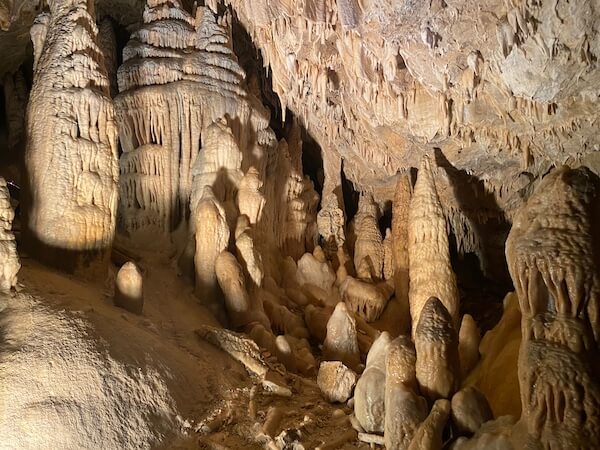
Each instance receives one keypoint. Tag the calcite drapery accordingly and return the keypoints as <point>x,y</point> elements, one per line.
<point>71,154</point>
<point>553,258</point>
<point>179,75</point>
<point>431,272</point>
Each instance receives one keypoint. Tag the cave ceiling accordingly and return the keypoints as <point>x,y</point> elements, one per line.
<point>502,90</point>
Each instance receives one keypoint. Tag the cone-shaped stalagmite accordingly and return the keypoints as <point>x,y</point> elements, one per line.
<point>71,155</point>
<point>431,273</point>
<point>341,342</point>
<point>436,343</point>
<point>400,208</point>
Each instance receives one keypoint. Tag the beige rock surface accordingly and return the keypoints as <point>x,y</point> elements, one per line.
<point>336,381</point>
<point>9,259</point>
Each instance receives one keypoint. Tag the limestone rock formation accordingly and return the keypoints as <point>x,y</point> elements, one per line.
<point>232,283</point>
<point>368,247</point>
<point>431,273</point>
<point>178,77</point>
<point>470,410</point>
<point>212,237</point>
<point>404,408</point>
<point>400,214</point>
<point>341,342</point>
<point>129,288</point>
<point>71,154</point>
<point>436,344</point>
<point>364,298</point>
<point>369,395</point>
<point>336,381</point>
<point>553,261</point>
<point>468,344</point>
<point>429,433</point>
<point>9,259</point>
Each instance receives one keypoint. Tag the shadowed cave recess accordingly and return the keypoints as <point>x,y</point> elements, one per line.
<point>299,224</point>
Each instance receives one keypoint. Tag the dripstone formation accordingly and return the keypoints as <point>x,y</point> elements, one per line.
<point>322,202</point>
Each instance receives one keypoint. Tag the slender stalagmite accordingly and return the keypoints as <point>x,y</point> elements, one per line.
<point>431,273</point>
<point>400,209</point>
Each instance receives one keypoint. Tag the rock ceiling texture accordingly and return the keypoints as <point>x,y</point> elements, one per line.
<point>502,88</point>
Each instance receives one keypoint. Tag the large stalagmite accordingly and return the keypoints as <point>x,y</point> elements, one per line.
<point>553,257</point>
<point>431,273</point>
<point>71,155</point>
<point>178,77</point>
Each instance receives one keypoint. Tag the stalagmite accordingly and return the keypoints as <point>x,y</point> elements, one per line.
<point>431,273</point>
<point>330,223</point>
<point>341,341</point>
<point>436,344</point>
<point>336,381</point>
<point>364,298</point>
<point>470,410</point>
<point>429,433</point>
<point>129,288</point>
<point>404,409</point>
<point>71,154</point>
<point>553,261</point>
<point>212,237</point>
<point>250,200</point>
<point>369,395</point>
<point>400,213</point>
<point>468,344</point>
<point>9,259</point>
<point>311,271</point>
<point>178,82</point>
<point>231,281</point>
<point>388,256</point>
<point>249,257</point>
<point>369,243</point>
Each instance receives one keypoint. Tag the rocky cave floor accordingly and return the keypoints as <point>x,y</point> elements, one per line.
<point>217,403</point>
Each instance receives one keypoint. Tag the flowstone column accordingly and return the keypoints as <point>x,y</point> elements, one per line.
<point>71,155</point>
<point>553,255</point>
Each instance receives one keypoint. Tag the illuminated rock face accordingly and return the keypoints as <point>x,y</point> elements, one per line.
<point>71,155</point>
<point>553,258</point>
<point>431,272</point>
<point>179,76</point>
